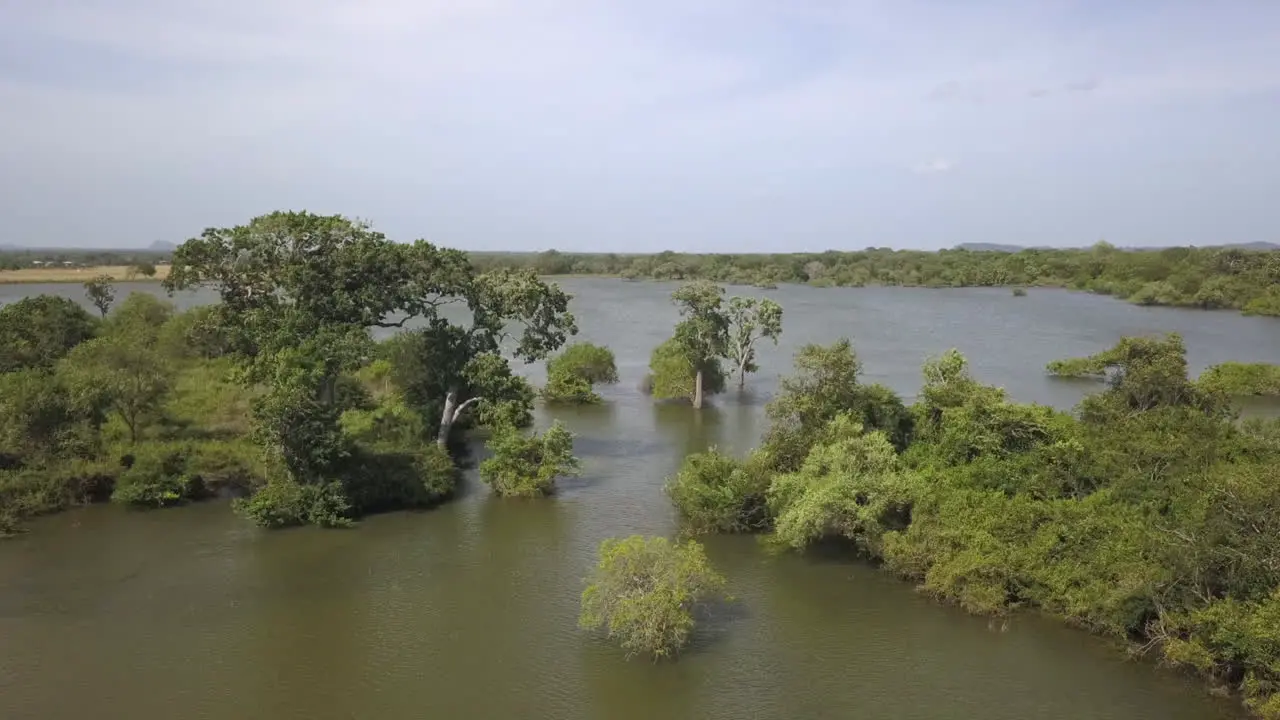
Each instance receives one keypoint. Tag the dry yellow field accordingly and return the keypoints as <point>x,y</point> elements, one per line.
<point>120,273</point>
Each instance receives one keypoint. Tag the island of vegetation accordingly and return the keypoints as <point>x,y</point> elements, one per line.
<point>1229,378</point>
<point>1150,514</point>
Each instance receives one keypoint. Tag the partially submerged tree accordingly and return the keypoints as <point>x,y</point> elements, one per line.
<point>300,293</point>
<point>100,292</point>
<point>572,374</point>
<point>825,384</point>
<point>644,592</point>
<point>675,372</point>
<point>688,365</point>
<point>528,465</point>
<point>849,486</point>
<point>714,492</point>
<point>751,319</point>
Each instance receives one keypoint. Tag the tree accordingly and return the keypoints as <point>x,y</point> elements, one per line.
<point>849,486</point>
<point>703,335</point>
<point>572,373</point>
<point>674,372</point>
<point>751,319</point>
<point>36,332</point>
<point>145,268</point>
<point>117,374</point>
<point>528,465</point>
<point>714,492</point>
<point>644,592</point>
<point>824,385</point>
<point>100,293</point>
<point>300,293</point>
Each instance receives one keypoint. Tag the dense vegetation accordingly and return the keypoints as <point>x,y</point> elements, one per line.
<point>1229,378</point>
<point>1151,514</point>
<point>280,392</point>
<point>1209,278</point>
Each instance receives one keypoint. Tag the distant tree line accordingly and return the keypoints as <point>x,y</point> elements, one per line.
<point>1209,278</point>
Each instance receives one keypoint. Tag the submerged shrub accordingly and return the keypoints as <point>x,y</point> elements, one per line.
<point>644,591</point>
<point>285,503</point>
<point>528,465</point>
<point>714,492</point>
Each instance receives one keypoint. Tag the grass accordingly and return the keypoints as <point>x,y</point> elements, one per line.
<point>76,275</point>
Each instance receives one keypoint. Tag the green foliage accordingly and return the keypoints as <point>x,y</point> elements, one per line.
<point>119,374</point>
<point>100,292</point>
<point>1019,292</point>
<point>1077,367</point>
<point>145,269</point>
<point>528,465</point>
<point>36,332</point>
<point>161,474</point>
<point>1234,378</point>
<point>644,591</point>
<point>716,493</point>
<point>39,418</point>
<point>849,486</point>
<point>823,386</point>
<point>571,374</point>
<point>673,373</point>
<point>750,319</point>
<point>1207,277</point>
<point>284,503</point>
<point>593,363</point>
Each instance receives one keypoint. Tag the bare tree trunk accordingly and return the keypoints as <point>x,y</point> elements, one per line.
<point>452,411</point>
<point>697,390</point>
<point>742,375</point>
<point>447,418</point>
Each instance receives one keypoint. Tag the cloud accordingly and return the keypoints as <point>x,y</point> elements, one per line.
<point>529,123</point>
<point>934,167</point>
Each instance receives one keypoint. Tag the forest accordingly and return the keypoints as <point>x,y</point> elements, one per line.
<point>1209,278</point>
<point>1150,514</point>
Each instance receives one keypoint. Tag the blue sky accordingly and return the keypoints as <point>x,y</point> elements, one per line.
<point>700,125</point>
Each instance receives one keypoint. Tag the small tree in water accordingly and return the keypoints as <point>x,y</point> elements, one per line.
<point>751,319</point>
<point>572,373</point>
<point>528,465</point>
<point>100,293</point>
<point>644,591</point>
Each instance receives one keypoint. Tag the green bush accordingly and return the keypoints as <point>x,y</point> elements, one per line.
<point>713,492</point>
<point>644,592</point>
<point>1235,378</point>
<point>528,465</point>
<point>156,475</point>
<point>377,481</point>
<point>285,503</point>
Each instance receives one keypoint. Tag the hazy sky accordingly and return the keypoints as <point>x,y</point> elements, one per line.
<point>712,125</point>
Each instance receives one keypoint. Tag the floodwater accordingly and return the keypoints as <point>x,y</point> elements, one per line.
<point>469,610</point>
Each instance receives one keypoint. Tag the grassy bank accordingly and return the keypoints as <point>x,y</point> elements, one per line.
<point>77,274</point>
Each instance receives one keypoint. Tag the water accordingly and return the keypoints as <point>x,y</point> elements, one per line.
<point>469,610</point>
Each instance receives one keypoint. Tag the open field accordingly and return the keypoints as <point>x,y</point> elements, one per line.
<point>76,275</point>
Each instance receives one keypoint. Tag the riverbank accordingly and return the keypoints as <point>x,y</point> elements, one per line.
<point>118,273</point>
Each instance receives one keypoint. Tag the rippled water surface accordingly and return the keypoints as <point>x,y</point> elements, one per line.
<point>469,611</point>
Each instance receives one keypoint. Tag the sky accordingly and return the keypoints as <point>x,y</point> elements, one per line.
<point>645,125</point>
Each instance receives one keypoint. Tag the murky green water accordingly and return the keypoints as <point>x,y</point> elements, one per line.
<point>469,611</point>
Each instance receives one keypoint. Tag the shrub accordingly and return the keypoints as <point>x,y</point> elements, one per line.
<point>716,493</point>
<point>644,591</point>
<point>528,465</point>
<point>571,374</point>
<point>156,476</point>
<point>1236,378</point>
<point>1019,292</point>
<point>376,481</point>
<point>285,503</point>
